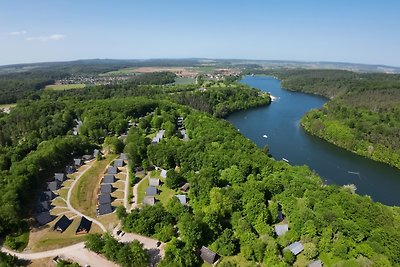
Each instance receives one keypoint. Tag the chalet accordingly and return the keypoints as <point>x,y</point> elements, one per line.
<point>53,186</point>
<point>149,201</point>
<point>62,224</point>
<point>84,226</point>
<point>87,157</point>
<point>151,191</point>
<point>295,248</point>
<point>159,136</point>
<point>112,170</point>
<point>70,169</point>
<point>208,256</point>
<point>184,134</point>
<point>60,177</point>
<point>78,162</point>
<point>182,199</point>
<point>118,163</point>
<point>44,218</point>
<point>104,199</point>
<point>44,206</point>
<point>154,182</point>
<point>123,156</point>
<point>316,263</point>
<point>96,153</point>
<point>163,173</point>
<point>281,229</point>
<point>104,209</point>
<point>106,188</point>
<point>47,196</point>
<point>108,179</point>
<point>185,187</point>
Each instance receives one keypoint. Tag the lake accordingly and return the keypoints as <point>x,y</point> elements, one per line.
<point>278,126</point>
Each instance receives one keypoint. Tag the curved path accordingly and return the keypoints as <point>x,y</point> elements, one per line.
<point>76,211</point>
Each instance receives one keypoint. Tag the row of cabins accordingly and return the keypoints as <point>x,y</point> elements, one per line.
<point>106,188</point>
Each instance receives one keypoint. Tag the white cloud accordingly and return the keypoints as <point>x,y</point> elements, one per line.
<point>17,33</point>
<point>53,37</point>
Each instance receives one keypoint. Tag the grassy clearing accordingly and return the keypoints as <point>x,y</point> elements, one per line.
<point>84,195</point>
<point>239,260</point>
<point>165,195</point>
<point>109,221</point>
<point>5,106</point>
<point>59,87</point>
<point>142,190</point>
<point>181,80</point>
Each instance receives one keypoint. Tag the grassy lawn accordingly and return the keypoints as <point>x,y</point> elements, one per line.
<point>7,105</point>
<point>63,192</point>
<point>58,202</point>
<point>165,195</point>
<point>142,190</point>
<point>181,80</point>
<point>109,221</point>
<point>59,87</point>
<point>239,260</point>
<point>84,196</point>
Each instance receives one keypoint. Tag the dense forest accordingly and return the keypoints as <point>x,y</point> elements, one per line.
<point>236,190</point>
<point>363,114</point>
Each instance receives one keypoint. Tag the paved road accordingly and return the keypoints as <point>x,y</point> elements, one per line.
<point>69,200</point>
<point>76,252</point>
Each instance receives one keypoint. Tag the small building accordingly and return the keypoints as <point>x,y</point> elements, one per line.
<point>87,157</point>
<point>112,170</point>
<point>154,182</point>
<point>163,173</point>
<point>149,201</point>
<point>84,226</point>
<point>70,169</point>
<point>44,218</point>
<point>280,216</point>
<point>104,199</point>
<point>108,179</point>
<point>151,191</point>
<point>104,209</point>
<point>159,136</point>
<point>123,156</point>
<point>316,263</point>
<point>53,186</point>
<point>118,163</point>
<point>281,229</point>
<point>47,196</point>
<point>295,248</point>
<point>60,177</point>
<point>78,162</point>
<point>44,206</point>
<point>208,255</point>
<point>62,224</point>
<point>182,199</point>
<point>106,188</point>
<point>96,153</point>
<point>185,187</point>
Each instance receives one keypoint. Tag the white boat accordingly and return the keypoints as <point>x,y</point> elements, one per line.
<point>265,136</point>
<point>285,160</point>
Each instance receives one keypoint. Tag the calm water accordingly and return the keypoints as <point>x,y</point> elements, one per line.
<point>280,122</point>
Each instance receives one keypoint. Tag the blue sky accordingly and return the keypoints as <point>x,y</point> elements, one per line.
<point>307,30</point>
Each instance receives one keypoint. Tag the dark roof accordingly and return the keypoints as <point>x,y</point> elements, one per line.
<point>53,186</point>
<point>104,199</point>
<point>149,201</point>
<point>44,206</point>
<point>151,191</point>
<point>112,170</point>
<point>62,224</point>
<point>87,157</point>
<point>105,188</point>
<point>84,225</point>
<point>47,195</point>
<point>207,255</point>
<point>44,218</point>
<point>118,163</point>
<point>60,177</point>
<point>70,169</point>
<point>105,209</point>
<point>108,179</point>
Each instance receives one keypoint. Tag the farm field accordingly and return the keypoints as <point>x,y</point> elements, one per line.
<point>60,87</point>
